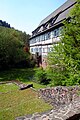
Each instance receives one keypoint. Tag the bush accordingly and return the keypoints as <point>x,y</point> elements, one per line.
<point>41,76</point>
<point>54,77</point>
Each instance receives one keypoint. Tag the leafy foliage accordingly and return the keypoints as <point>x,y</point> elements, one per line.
<point>64,60</point>
<point>41,76</point>
<point>11,48</point>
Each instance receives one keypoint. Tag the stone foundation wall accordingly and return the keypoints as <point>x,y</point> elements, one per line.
<point>60,95</point>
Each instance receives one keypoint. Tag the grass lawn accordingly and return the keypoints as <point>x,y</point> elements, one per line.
<point>17,74</point>
<point>19,103</point>
<point>8,87</point>
<point>24,75</point>
<point>14,102</point>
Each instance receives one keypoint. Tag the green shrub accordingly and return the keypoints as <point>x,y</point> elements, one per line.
<point>41,76</point>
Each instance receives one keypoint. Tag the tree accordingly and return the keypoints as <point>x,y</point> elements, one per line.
<point>64,60</point>
<point>11,48</point>
<point>24,37</point>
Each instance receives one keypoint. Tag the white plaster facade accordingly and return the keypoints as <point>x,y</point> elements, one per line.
<point>49,30</point>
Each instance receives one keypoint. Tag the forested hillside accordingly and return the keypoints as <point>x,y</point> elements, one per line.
<point>14,47</point>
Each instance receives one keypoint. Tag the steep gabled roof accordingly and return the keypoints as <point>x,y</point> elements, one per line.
<point>65,8</point>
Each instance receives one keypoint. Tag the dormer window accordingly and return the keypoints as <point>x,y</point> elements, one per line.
<point>45,26</point>
<point>52,20</point>
<point>48,25</point>
<point>41,29</point>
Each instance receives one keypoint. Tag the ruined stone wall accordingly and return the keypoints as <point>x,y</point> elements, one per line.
<point>60,95</point>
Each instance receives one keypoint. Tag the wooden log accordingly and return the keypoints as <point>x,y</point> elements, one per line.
<point>25,86</point>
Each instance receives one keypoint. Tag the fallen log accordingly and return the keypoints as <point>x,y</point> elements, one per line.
<point>23,87</point>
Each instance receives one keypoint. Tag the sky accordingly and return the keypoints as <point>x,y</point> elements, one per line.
<point>25,15</point>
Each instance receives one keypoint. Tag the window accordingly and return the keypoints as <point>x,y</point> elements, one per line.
<point>33,41</point>
<point>47,36</point>
<point>38,39</point>
<point>42,38</point>
<point>52,21</point>
<point>45,26</point>
<point>55,33</point>
<point>30,41</point>
<point>43,50</point>
<point>52,34</point>
<point>49,49</point>
<point>60,30</point>
<point>31,49</point>
<point>40,50</point>
<point>41,29</point>
<point>36,49</point>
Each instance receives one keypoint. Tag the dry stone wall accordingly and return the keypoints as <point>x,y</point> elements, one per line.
<point>60,95</point>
